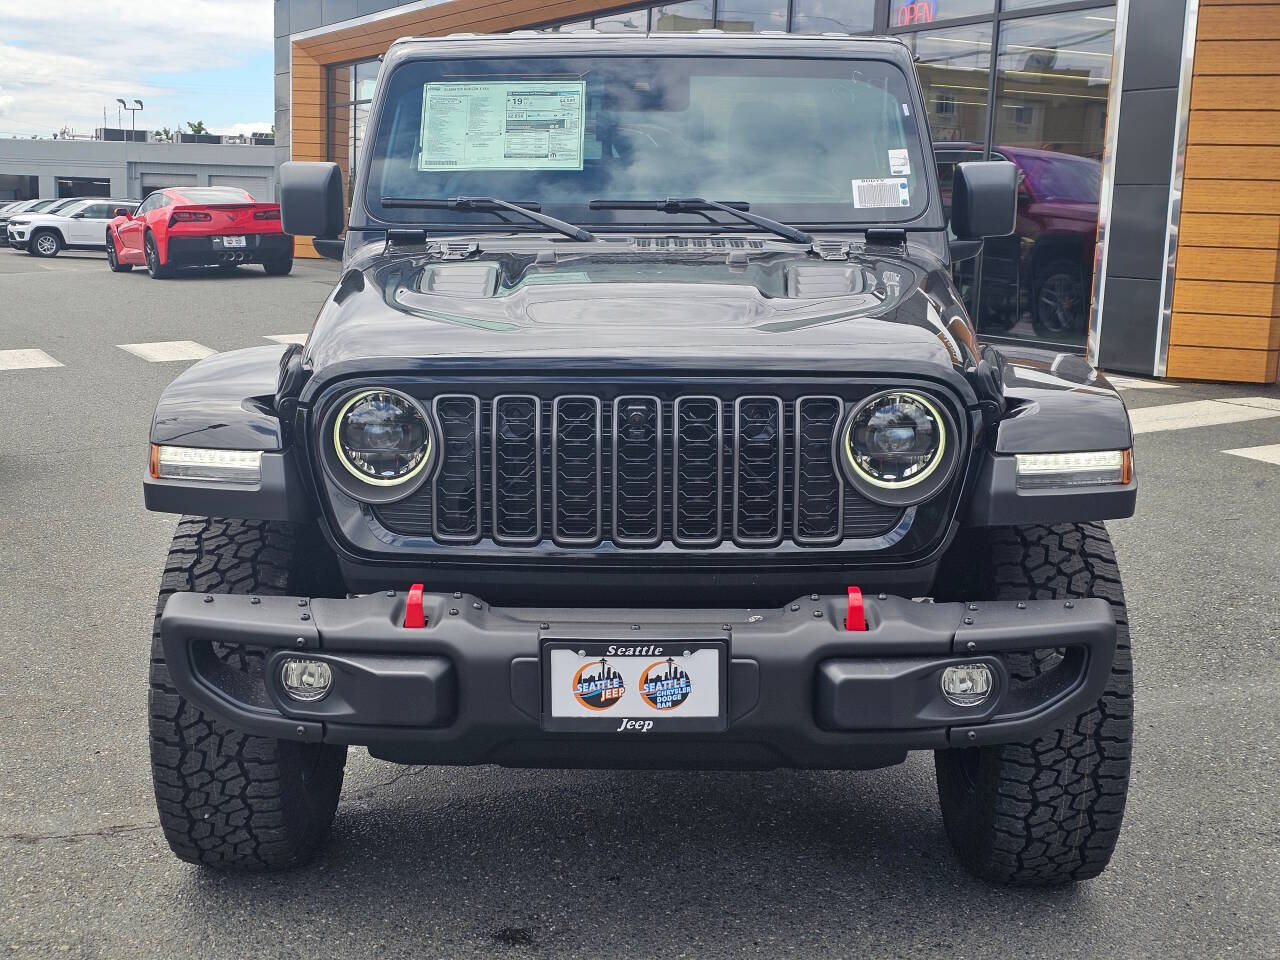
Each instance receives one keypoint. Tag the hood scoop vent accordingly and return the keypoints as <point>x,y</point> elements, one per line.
<point>820,281</point>
<point>471,281</point>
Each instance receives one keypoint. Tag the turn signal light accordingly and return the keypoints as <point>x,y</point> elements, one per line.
<point>190,216</point>
<point>267,215</point>
<point>1089,468</point>
<point>197,463</point>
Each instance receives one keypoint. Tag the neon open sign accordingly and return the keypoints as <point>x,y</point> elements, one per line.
<point>919,11</point>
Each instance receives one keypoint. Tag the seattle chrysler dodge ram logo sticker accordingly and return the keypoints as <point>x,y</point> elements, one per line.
<point>664,685</point>
<point>597,686</point>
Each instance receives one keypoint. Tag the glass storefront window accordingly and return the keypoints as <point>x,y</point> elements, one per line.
<point>954,66</point>
<point>914,13</point>
<point>751,15</point>
<point>633,21</point>
<point>680,17</point>
<point>839,16</point>
<point>347,113</point>
<point>1053,76</point>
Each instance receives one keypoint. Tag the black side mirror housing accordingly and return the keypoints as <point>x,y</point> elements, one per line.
<point>311,199</point>
<point>122,212</point>
<point>984,199</point>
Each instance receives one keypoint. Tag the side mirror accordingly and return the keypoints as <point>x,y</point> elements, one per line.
<point>311,199</point>
<point>984,199</point>
<point>122,212</point>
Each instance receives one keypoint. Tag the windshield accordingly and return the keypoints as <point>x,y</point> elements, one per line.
<point>801,141</point>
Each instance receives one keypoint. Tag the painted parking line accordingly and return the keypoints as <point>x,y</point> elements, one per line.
<point>1267,454</point>
<point>288,337</point>
<point>1202,413</point>
<point>164,351</point>
<point>26,360</point>
<point>1133,383</point>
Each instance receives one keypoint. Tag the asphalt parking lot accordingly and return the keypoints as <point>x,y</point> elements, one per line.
<point>438,862</point>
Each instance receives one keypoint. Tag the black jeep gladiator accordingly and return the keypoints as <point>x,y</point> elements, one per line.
<point>644,429</point>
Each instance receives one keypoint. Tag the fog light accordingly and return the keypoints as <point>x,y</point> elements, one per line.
<point>968,684</point>
<point>306,680</point>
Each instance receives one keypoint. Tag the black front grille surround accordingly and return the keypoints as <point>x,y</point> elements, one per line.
<point>596,467</point>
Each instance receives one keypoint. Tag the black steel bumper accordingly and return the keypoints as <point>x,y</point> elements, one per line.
<point>201,251</point>
<point>801,691</point>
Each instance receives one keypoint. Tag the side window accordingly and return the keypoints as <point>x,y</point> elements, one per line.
<point>97,211</point>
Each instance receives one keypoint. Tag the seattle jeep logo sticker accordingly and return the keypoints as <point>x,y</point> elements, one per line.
<point>597,686</point>
<point>664,685</point>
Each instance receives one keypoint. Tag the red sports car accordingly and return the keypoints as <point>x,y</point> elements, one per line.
<point>199,226</point>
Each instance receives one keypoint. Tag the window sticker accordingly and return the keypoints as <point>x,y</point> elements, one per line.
<point>900,163</point>
<point>886,192</point>
<point>516,125</point>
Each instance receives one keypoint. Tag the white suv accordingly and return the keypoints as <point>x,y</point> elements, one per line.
<point>79,226</point>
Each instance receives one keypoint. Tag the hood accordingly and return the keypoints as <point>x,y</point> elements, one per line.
<point>727,310</point>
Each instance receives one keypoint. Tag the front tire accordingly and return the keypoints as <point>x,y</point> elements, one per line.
<point>44,243</point>
<point>1047,812</point>
<point>113,256</point>
<point>156,269</point>
<point>227,799</point>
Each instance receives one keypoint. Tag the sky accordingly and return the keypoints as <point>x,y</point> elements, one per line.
<point>63,61</point>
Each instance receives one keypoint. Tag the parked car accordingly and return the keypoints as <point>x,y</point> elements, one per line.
<point>1045,268</point>
<point>199,226</point>
<point>24,206</point>
<point>75,225</point>
<point>628,471</point>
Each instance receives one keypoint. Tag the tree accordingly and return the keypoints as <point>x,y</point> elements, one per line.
<point>165,134</point>
<point>197,127</point>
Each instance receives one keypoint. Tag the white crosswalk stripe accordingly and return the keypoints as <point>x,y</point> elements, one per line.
<point>26,360</point>
<point>1203,413</point>
<point>288,337</point>
<point>1267,454</point>
<point>1133,383</point>
<point>163,351</point>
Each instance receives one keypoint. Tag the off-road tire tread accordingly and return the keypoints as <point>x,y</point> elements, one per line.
<point>227,799</point>
<point>1049,811</point>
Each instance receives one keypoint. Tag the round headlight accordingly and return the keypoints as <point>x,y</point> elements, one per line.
<point>894,441</point>
<point>382,437</point>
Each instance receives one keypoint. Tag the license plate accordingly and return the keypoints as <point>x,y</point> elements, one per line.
<point>233,241</point>
<point>667,686</point>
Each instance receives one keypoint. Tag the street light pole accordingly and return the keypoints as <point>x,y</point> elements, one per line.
<point>133,115</point>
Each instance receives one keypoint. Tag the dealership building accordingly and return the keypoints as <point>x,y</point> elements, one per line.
<point>130,169</point>
<point>1146,133</point>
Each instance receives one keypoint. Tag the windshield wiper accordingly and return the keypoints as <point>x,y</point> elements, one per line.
<point>697,204</point>
<point>492,204</point>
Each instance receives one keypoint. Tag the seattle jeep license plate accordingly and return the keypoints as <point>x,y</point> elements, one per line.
<point>667,686</point>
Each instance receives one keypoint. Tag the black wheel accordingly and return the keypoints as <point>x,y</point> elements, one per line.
<point>157,270</point>
<point>226,799</point>
<point>278,268</point>
<point>1060,301</point>
<point>1047,812</point>
<point>113,256</point>
<point>44,243</point>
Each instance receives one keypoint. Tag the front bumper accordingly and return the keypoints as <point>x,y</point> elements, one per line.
<point>802,690</point>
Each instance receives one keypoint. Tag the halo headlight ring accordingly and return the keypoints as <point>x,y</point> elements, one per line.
<point>354,482</point>
<point>918,488</point>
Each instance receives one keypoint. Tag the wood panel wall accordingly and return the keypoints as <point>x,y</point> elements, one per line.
<point>1226,295</point>
<point>311,57</point>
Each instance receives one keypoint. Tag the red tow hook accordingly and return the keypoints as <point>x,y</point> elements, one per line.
<point>856,619</point>
<point>414,616</point>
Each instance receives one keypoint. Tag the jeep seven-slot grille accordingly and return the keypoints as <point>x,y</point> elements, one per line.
<point>637,471</point>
